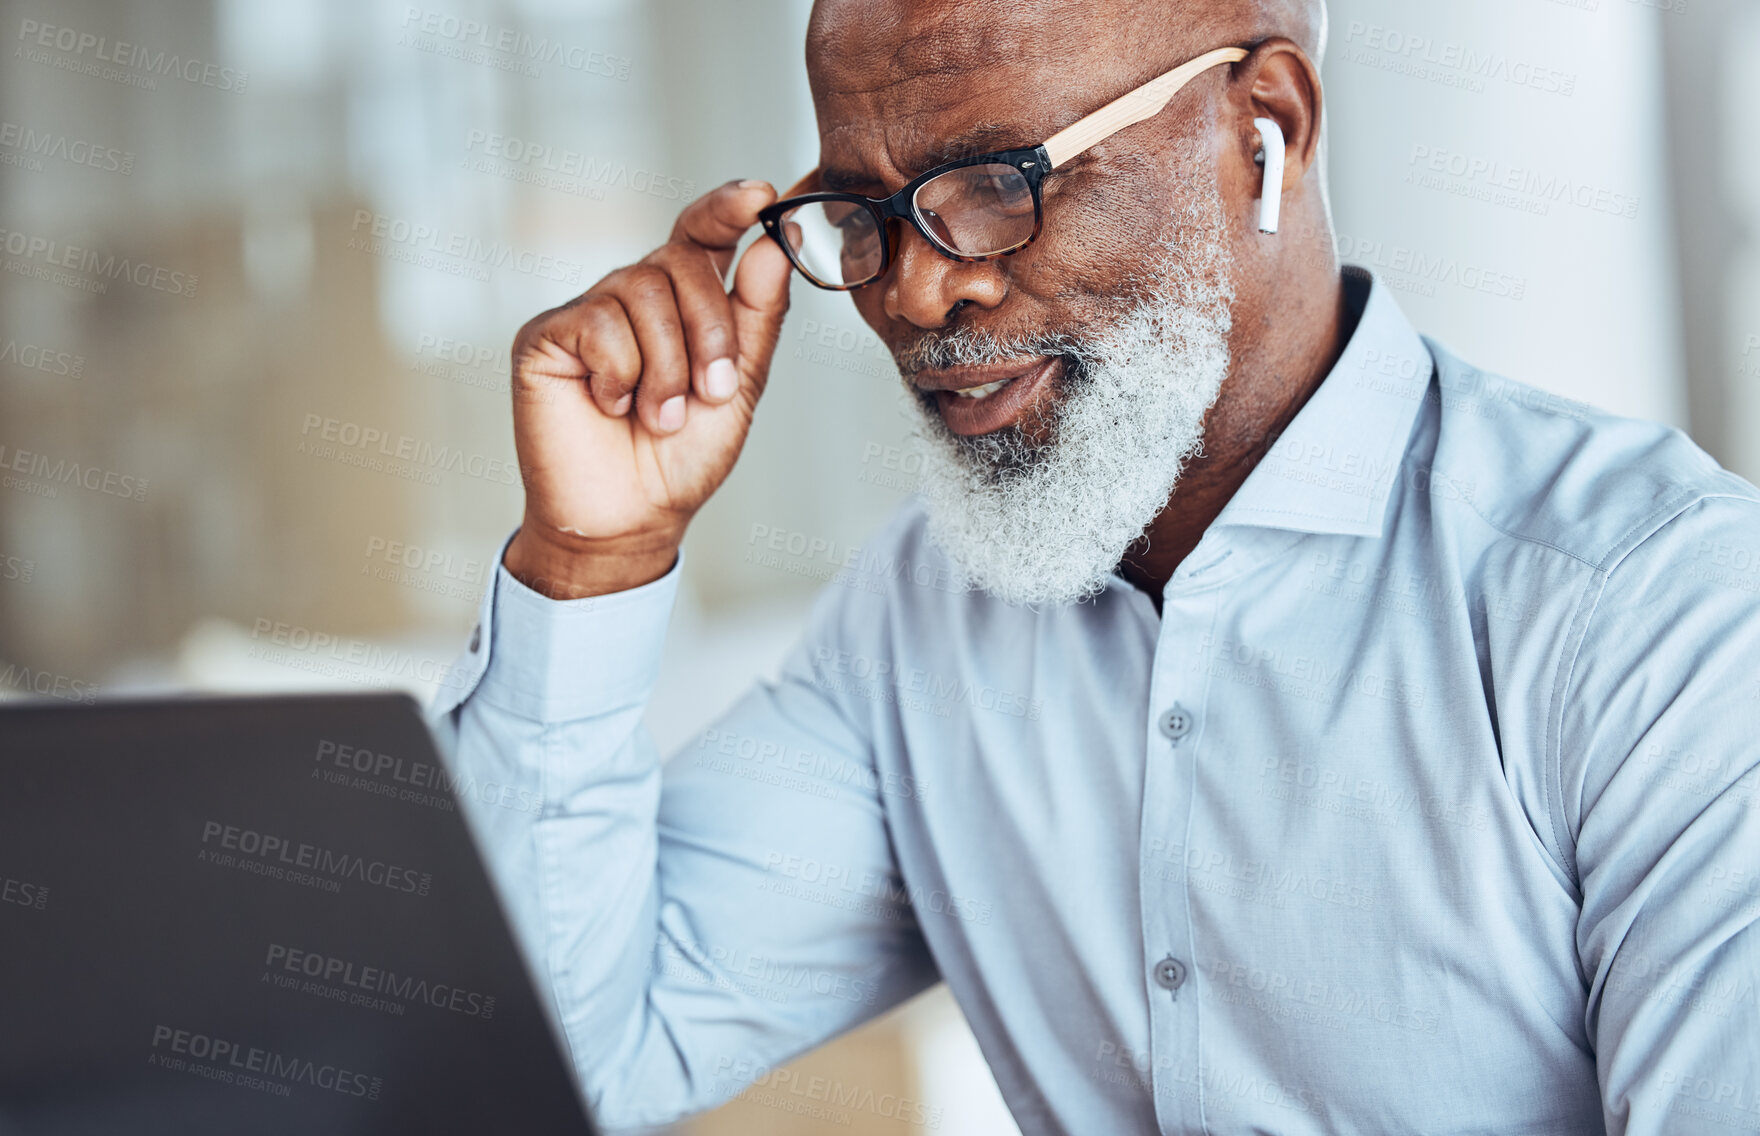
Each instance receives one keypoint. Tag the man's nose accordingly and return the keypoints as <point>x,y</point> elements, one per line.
<point>925,287</point>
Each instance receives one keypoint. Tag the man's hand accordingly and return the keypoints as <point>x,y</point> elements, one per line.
<point>632,401</point>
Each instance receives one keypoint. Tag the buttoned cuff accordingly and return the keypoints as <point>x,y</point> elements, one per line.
<point>560,660</point>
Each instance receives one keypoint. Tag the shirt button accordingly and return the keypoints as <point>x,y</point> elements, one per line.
<point>476,638</point>
<point>1176,723</point>
<point>1170,973</point>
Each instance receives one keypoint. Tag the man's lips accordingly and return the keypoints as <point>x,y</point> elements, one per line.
<point>975,374</point>
<point>1014,387</point>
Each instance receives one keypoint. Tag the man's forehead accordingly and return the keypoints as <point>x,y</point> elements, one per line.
<point>875,48</point>
<point>868,43</point>
<point>847,155</point>
<point>923,89</point>
<point>908,84</point>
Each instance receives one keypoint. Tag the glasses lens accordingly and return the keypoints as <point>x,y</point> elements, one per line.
<point>978,210</point>
<point>834,242</point>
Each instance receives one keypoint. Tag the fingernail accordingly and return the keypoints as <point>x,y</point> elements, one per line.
<point>751,183</point>
<point>721,379</point>
<point>621,406</point>
<point>672,413</point>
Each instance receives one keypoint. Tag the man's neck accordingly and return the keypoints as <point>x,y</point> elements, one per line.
<point>1272,378</point>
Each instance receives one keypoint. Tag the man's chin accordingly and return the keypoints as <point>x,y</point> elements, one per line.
<point>988,458</point>
<point>1045,522</point>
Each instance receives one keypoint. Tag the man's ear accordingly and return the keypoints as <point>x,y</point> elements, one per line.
<point>1282,85</point>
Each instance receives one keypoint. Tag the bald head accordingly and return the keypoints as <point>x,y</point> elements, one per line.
<point>953,37</point>
<point>1252,20</point>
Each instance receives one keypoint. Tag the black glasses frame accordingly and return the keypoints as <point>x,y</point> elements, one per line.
<point>1033,164</point>
<point>1127,109</point>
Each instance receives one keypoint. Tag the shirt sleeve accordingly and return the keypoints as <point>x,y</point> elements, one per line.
<point>698,921</point>
<point>1660,780</point>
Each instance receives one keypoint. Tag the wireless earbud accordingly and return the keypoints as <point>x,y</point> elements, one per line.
<point>1271,155</point>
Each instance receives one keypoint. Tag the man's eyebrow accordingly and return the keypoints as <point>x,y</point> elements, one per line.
<point>979,139</point>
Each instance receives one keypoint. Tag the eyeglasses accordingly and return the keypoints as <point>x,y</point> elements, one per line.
<point>971,209</point>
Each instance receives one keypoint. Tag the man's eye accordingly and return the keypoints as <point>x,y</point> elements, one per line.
<point>1007,190</point>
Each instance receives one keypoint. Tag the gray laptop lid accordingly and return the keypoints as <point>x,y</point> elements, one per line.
<point>256,916</point>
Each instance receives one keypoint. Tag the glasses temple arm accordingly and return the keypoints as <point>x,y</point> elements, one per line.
<point>1133,106</point>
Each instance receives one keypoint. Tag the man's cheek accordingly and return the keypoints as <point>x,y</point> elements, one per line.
<point>1076,273</point>
<point>870,305</point>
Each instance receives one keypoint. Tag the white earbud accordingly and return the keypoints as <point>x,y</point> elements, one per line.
<point>1271,191</point>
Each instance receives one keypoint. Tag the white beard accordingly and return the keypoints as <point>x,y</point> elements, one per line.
<point>1048,524</point>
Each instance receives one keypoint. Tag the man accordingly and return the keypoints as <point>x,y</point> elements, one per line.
<point>1383,763</point>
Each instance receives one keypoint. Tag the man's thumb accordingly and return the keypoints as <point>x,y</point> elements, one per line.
<point>760,300</point>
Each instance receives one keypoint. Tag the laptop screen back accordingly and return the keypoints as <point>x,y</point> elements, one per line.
<point>264,916</point>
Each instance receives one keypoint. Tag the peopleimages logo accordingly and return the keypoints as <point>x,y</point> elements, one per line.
<point>20,893</point>
<point>570,171</point>
<point>1415,270</point>
<point>261,853</point>
<point>441,33</point>
<point>223,1059</point>
<point>1425,57</point>
<point>466,364</point>
<point>24,680</point>
<point>38,467</point>
<point>1534,190</point>
<point>353,443</point>
<point>313,972</point>
<point>419,782</point>
<point>31,146</point>
<point>418,243</point>
<point>34,357</point>
<point>881,677</point>
<point>42,257</point>
<point>430,560</point>
<point>789,1091</point>
<point>37,38</point>
<point>834,884</point>
<point>342,657</point>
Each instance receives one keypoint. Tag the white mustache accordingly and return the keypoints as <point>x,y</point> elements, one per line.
<point>969,346</point>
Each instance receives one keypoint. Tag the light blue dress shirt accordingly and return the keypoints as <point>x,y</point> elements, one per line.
<point>1430,802</point>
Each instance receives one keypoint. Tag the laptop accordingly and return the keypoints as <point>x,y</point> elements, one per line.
<point>260,915</point>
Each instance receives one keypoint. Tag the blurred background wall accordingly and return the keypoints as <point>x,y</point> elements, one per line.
<point>262,262</point>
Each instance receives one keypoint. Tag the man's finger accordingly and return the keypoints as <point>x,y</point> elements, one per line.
<point>607,345</point>
<point>707,312</point>
<point>647,295</point>
<point>718,219</point>
<point>760,300</point>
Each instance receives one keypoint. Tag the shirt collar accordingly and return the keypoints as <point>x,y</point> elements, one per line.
<point>1334,467</point>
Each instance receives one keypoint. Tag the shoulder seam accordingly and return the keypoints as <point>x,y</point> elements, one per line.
<point>1675,507</point>
<point>1622,545</point>
<point>1526,539</point>
<point>1571,650</point>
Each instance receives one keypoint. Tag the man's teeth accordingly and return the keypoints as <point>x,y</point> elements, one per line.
<point>984,391</point>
